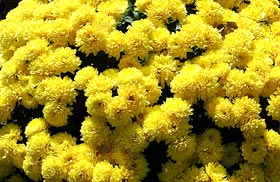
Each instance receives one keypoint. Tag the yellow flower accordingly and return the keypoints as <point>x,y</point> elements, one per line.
<point>221,111</point>
<point>97,103</point>
<point>210,148</point>
<point>273,107</point>
<point>229,3</point>
<point>115,43</point>
<point>35,126</point>
<point>128,61</point>
<point>272,139</point>
<point>216,172</point>
<point>239,84</point>
<point>7,104</point>
<point>253,128</point>
<point>163,67</point>
<point>152,88</point>
<point>254,150</point>
<point>53,169</point>
<point>113,8</point>
<point>94,131</point>
<point>80,171</point>
<point>262,11</point>
<point>99,83</point>
<point>182,149</point>
<point>56,114</point>
<point>37,145</point>
<point>61,60</point>
<point>91,39</point>
<point>239,45</point>
<point>83,77</point>
<point>249,172</point>
<point>56,89</point>
<point>231,155</point>
<point>210,11</point>
<point>245,109</point>
<point>159,38</point>
<point>131,137</point>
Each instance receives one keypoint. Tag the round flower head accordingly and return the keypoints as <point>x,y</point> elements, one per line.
<point>115,43</point>
<point>35,126</point>
<point>177,108</point>
<point>83,77</point>
<point>61,141</point>
<point>253,128</point>
<point>221,111</point>
<point>163,67</point>
<point>56,114</point>
<point>99,83</point>
<point>97,103</point>
<point>182,149</point>
<point>56,89</point>
<point>211,11</point>
<point>80,171</point>
<point>113,8</point>
<point>32,167</point>
<point>254,150</point>
<point>231,155</point>
<point>272,141</point>
<point>182,171</point>
<point>247,172</point>
<point>37,145</point>
<point>159,38</point>
<point>7,104</point>
<point>245,109</point>
<point>53,169</point>
<point>128,61</point>
<point>61,60</point>
<point>210,148</point>
<point>94,131</point>
<point>130,75</point>
<point>273,106</point>
<point>216,172</point>
<point>130,138</point>
<point>152,88</point>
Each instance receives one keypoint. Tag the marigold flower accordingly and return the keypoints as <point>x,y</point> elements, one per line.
<point>83,77</point>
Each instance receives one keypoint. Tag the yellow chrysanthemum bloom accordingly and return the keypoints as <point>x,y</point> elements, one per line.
<point>164,68</point>
<point>216,172</point>
<point>210,11</point>
<point>83,77</point>
<point>254,150</point>
<point>94,131</point>
<point>56,114</point>
<point>56,89</point>
<point>182,149</point>
<point>35,126</point>
<point>61,60</point>
<point>115,44</point>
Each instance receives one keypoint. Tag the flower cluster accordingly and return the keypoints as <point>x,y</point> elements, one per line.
<point>162,60</point>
